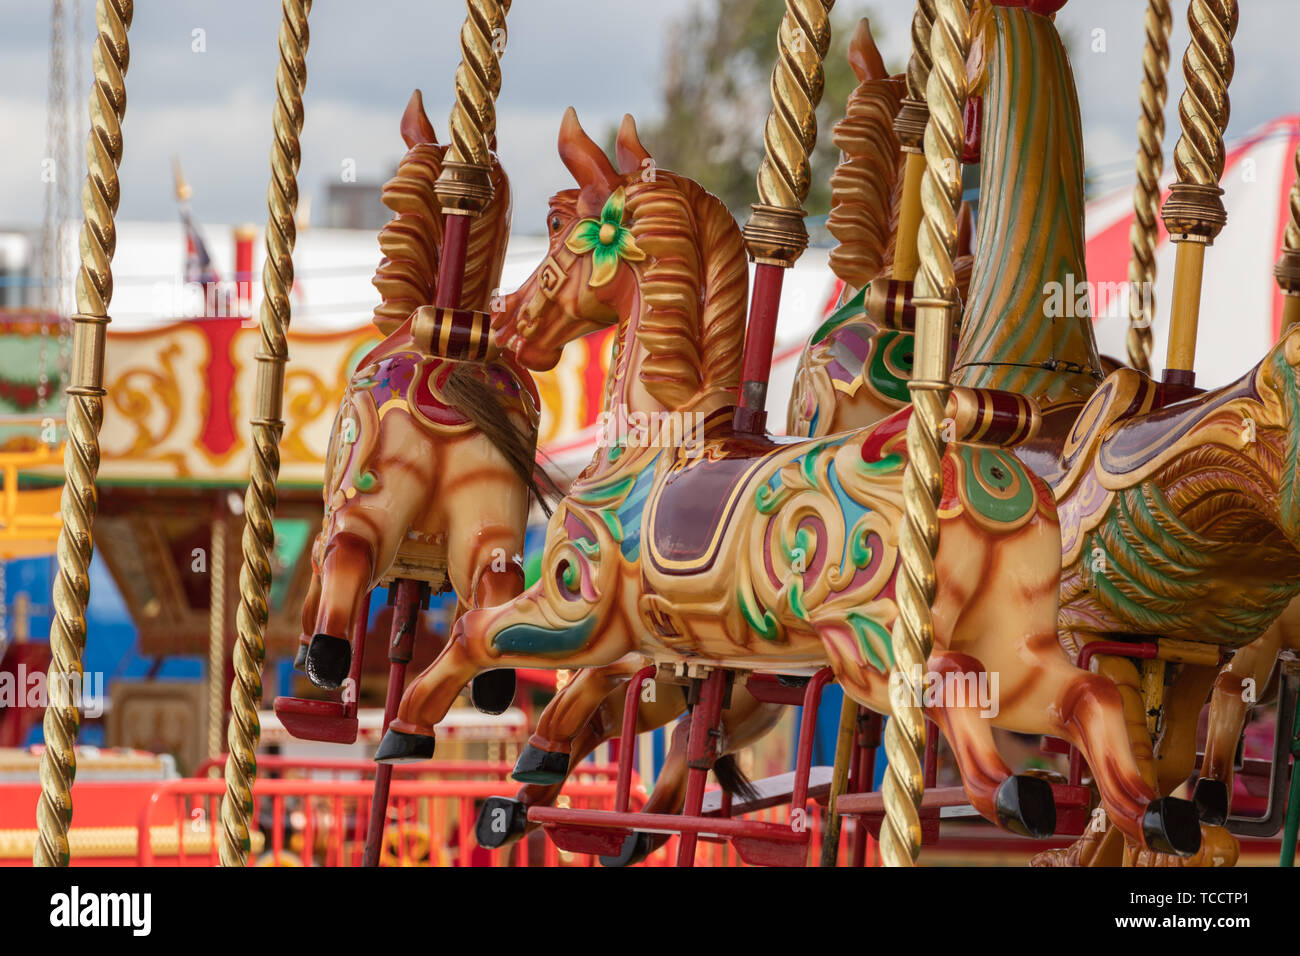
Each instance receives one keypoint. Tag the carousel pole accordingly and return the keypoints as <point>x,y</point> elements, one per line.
<point>85,415</point>
<point>1194,212</point>
<point>936,299</point>
<point>464,187</point>
<point>245,731</point>
<point>1146,194</point>
<point>909,126</point>
<point>1287,270</point>
<point>775,235</point>
<point>217,627</point>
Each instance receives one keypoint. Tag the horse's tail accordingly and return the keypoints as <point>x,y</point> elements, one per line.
<point>733,779</point>
<point>481,404</point>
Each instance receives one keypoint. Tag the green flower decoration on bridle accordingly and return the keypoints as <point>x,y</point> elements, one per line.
<point>606,238</point>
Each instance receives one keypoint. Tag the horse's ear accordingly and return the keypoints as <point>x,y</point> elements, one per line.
<point>587,162</point>
<point>416,128</point>
<point>864,57</point>
<point>631,155</point>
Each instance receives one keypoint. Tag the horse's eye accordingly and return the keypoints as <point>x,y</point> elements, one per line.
<point>555,224</point>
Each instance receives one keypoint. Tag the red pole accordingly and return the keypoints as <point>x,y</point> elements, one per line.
<point>451,267</point>
<point>626,747</point>
<point>401,644</point>
<point>760,337</point>
<point>701,752</point>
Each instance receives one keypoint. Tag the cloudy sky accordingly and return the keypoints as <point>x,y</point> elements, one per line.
<point>212,108</point>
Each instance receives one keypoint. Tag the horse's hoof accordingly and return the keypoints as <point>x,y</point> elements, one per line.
<point>400,747</point>
<point>1211,801</point>
<point>501,820</point>
<point>1025,805</point>
<point>492,692</point>
<point>635,849</point>
<point>328,661</point>
<point>300,658</point>
<point>536,765</point>
<point>1171,825</point>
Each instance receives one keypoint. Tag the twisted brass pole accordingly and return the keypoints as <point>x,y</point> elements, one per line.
<point>935,299</point>
<point>910,127</point>
<point>1288,265</point>
<point>1194,212</point>
<point>99,199</point>
<point>775,235</point>
<point>217,629</point>
<point>1146,194</point>
<point>264,468</point>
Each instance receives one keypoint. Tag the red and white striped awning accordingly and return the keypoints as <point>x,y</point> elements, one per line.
<point>1241,307</point>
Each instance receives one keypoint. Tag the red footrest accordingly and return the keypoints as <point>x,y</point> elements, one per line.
<point>328,721</point>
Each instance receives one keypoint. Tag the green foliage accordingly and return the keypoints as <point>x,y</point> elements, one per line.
<point>716,74</point>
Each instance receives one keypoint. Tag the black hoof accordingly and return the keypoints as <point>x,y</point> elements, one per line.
<point>300,659</point>
<point>540,766</point>
<point>399,747</point>
<point>1171,825</point>
<point>328,661</point>
<point>492,692</point>
<point>635,849</point>
<point>1025,805</point>
<point>500,821</point>
<point>1211,801</point>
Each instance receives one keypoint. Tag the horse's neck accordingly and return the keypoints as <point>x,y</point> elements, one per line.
<point>1029,259</point>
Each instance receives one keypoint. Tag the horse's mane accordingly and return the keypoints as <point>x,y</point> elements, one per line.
<point>693,287</point>
<point>866,187</point>
<point>410,242</point>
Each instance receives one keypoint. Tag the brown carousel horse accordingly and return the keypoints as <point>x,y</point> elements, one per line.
<point>1180,519</point>
<point>762,555</point>
<point>855,366</point>
<point>431,458</point>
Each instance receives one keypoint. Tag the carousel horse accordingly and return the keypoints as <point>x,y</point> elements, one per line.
<point>431,457</point>
<point>1179,520</point>
<point>854,365</point>
<point>634,558</point>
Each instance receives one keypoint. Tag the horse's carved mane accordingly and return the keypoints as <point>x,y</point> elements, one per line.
<point>866,187</point>
<point>693,288</point>
<point>408,273</point>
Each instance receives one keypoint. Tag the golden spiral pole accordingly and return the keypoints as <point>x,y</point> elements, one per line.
<point>1288,265</point>
<point>465,185</point>
<point>1194,212</point>
<point>259,501</point>
<point>775,235</point>
<point>99,199</point>
<point>217,629</point>
<point>910,127</point>
<point>935,299</point>
<point>1146,194</point>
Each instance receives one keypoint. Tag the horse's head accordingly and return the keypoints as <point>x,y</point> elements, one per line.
<point>635,243</point>
<point>586,281</point>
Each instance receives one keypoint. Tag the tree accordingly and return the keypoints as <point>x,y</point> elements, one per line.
<point>717,70</point>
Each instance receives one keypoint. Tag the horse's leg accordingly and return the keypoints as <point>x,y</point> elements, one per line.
<point>309,608</point>
<point>522,633</point>
<point>346,571</point>
<point>1021,804</point>
<point>546,757</point>
<point>1239,683</point>
<point>579,727</point>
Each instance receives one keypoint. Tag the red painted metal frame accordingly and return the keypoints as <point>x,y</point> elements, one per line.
<point>758,842</point>
<point>401,645</point>
<point>1137,650</point>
